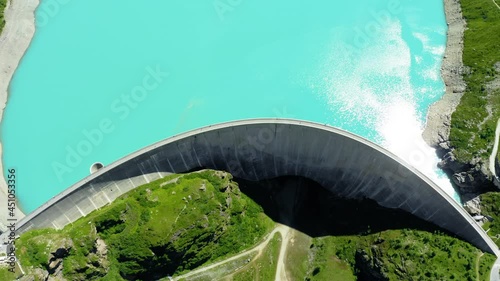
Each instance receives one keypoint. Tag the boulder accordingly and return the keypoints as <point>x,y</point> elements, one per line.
<point>473,206</point>
<point>62,248</point>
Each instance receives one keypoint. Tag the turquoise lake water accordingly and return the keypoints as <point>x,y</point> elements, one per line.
<point>370,67</point>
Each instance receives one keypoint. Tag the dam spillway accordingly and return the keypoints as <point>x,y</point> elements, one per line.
<point>260,149</point>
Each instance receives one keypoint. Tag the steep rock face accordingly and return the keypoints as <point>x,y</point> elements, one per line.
<point>473,206</point>
<point>370,268</point>
<point>473,177</point>
<point>96,264</point>
<point>55,262</point>
<point>53,270</point>
<point>470,178</point>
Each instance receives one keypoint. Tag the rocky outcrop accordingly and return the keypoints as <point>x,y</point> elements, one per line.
<point>55,261</point>
<point>473,206</point>
<point>473,177</point>
<point>53,270</point>
<point>96,266</point>
<point>476,176</point>
<point>470,178</point>
<point>370,268</point>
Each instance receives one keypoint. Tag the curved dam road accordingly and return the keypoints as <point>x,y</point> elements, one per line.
<point>259,149</point>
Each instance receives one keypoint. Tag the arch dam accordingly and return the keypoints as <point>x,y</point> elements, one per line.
<point>259,149</point>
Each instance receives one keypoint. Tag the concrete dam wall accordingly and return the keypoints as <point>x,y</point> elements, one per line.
<point>260,149</point>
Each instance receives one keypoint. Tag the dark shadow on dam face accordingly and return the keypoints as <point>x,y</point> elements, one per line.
<point>309,208</point>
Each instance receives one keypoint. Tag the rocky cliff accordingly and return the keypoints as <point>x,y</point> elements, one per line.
<point>474,176</point>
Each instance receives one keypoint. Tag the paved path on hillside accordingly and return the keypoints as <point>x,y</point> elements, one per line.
<point>281,269</point>
<point>495,150</point>
<point>282,229</point>
<point>494,275</point>
<point>496,4</point>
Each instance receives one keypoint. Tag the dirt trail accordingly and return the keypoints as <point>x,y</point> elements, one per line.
<point>282,229</point>
<point>496,4</point>
<point>286,235</point>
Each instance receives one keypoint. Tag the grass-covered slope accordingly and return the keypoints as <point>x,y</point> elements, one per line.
<point>264,266</point>
<point>159,229</point>
<point>182,222</point>
<point>472,126</point>
<point>490,206</point>
<point>398,255</point>
<point>388,255</point>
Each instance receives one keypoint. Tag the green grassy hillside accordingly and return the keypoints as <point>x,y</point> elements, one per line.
<point>490,207</point>
<point>263,267</point>
<point>182,222</point>
<point>159,229</point>
<point>481,53</point>
<point>398,255</point>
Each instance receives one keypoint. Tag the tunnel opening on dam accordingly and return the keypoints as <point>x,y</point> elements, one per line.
<point>306,206</point>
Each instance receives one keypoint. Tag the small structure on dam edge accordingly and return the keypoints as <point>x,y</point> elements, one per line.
<point>259,149</point>
<point>96,167</point>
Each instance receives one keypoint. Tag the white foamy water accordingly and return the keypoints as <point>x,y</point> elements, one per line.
<point>401,130</point>
<point>372,86</point>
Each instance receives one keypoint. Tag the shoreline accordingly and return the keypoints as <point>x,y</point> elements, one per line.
<point>15,39</point>
<point>437,128</point>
